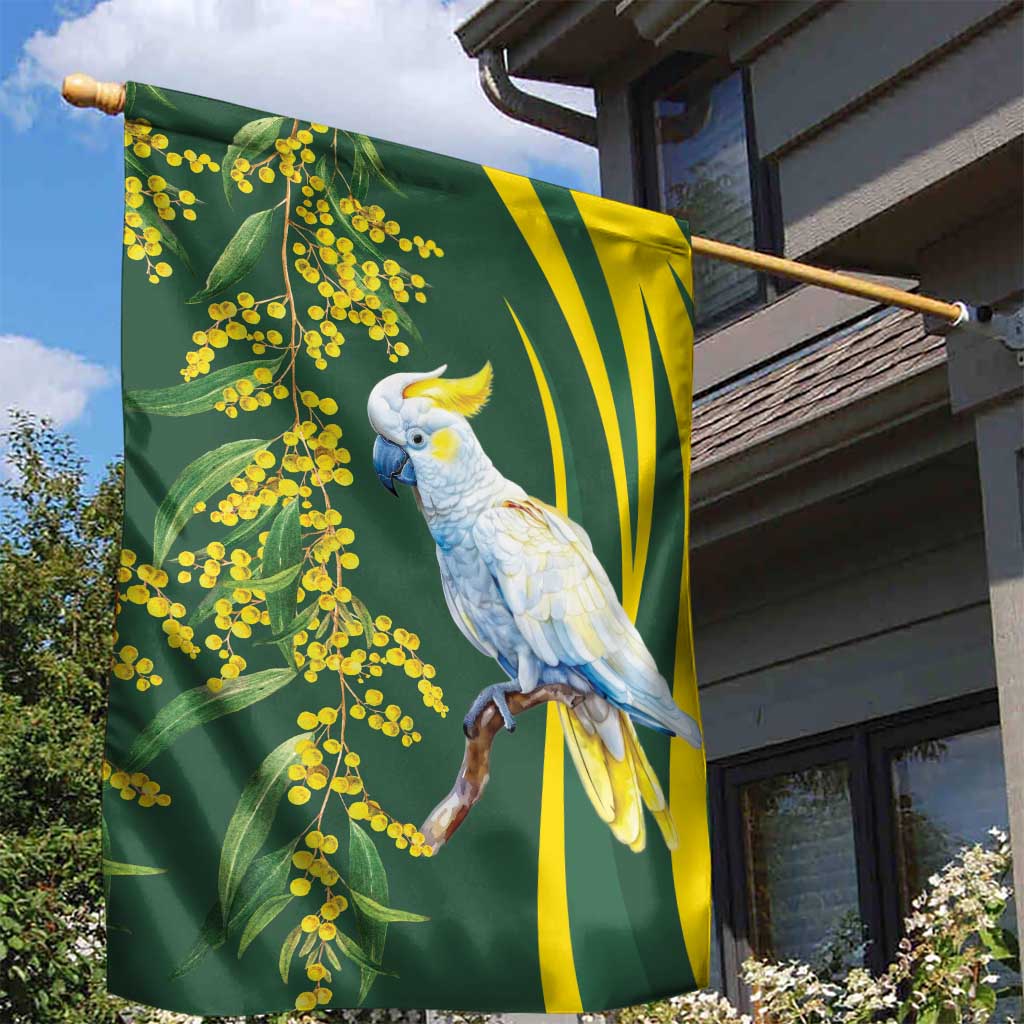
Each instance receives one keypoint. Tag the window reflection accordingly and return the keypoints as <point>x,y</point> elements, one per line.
<point>948,793</point>
<point>801,869</point>
<point>704,178</point>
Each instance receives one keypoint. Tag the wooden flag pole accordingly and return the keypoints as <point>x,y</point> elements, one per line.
<point>954,312</point>
<point>84,91</point>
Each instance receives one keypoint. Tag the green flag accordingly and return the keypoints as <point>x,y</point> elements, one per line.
<point>404,703</point>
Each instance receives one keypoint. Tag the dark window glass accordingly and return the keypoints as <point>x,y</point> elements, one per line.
<point>704,177</point>
<point>802,870</point>
<point>948,793</point>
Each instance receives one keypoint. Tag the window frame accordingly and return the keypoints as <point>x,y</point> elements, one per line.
<point>867,747</point>
<point>695,72</point>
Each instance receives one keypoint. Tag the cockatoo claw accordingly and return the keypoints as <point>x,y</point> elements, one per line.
<point>496,694</point>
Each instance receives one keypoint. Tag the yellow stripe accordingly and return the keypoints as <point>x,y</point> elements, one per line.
<point>554,941</point>
<point>691,861</point>
<point>520,197</point>
<point>558,972</point>
<point>624,264</point>
<point>638,246</point>
<point>657,241</point>
<point>548,405</point>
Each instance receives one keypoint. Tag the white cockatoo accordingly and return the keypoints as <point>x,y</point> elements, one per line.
<point>525,588</point>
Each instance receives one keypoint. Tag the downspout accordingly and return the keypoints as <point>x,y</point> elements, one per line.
<point>541,113</point>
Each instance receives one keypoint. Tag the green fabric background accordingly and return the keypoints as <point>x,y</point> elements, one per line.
<point>479,950</point>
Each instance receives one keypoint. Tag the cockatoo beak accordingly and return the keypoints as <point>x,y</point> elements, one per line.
<point>392,463</point>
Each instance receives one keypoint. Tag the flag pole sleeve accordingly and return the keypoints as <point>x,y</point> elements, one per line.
<point>82,90</point>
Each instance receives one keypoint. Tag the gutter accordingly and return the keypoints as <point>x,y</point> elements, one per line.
<point>533,110</point>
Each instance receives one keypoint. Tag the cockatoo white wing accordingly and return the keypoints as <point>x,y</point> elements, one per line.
<point>458,611</point>
<point>567,611</point>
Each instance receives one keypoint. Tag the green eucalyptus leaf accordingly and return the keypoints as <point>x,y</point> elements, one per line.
<point>239,256</point>
<point>342,223</point>
<point>197,482</point>
<point>198,706</point>
<point>249,142</point>
<point>262,916</point>
<point>350,948</point>
<point>366,875</point>
<point>267,584</point>
<point>364,617</point>
<point>360,169</point>
<point>283,551</point>
<point>332,956</point>
<point>369,150</point>
<point>155,94</point>
<point>211,936</point>
<point>249,527</point>
<point>404,318</point>
<point>268,876</point>
<point>132,161</point>
<point>284,959</point>
<point>254,814</point>
<point>307,946</point>
<point>297,625</point>
<point>115,867</point>
<point>199,395</point>
<point>168,239</point>
<point>205,609</point>
<point>378,912</point>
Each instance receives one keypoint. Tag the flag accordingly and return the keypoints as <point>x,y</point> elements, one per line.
<point>403,707</point>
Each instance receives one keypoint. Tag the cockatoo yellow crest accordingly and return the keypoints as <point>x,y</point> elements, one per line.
<point>464,395</point>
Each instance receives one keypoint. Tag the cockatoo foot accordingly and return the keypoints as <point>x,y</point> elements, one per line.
<point>498,694</point>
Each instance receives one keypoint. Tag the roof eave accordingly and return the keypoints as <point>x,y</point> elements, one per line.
<point>497,23</point>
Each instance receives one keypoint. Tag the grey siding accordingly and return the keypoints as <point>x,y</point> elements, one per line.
<point>848,52</point>
<point>925,129</point>
<point>862,606</point>
<point>910,667</point>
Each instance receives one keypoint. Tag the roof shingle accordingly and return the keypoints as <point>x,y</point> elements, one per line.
<point>845,367</point>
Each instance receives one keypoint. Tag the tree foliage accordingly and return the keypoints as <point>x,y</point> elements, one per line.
<point>58,551</point>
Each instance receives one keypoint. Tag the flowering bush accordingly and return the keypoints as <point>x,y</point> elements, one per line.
<point>944,971</point>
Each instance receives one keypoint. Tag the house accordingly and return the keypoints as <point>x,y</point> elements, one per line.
<point>857,553</point>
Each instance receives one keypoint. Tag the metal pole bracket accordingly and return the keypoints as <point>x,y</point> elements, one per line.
<point>1006,328</point>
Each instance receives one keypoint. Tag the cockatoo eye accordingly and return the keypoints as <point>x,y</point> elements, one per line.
<point>417,439</point>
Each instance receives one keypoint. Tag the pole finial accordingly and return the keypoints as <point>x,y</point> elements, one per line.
<point>82,90</point>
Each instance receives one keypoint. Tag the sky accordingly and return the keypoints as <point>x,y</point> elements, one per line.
<point>388,68</point>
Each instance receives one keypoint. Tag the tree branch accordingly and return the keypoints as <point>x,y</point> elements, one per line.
<point>469,785</point>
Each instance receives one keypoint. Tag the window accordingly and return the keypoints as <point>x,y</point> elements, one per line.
<point>946,794</point>
<point>700,164</point>
<point>823,845</point>
<point>801,866</point>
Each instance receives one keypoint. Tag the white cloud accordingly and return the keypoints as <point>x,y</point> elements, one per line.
<point>390,68</point>
<point>48,381</point>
